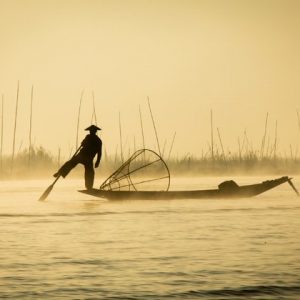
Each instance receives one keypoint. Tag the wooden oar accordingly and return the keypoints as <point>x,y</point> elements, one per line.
<point>293,187</point>
<point>49,189</point>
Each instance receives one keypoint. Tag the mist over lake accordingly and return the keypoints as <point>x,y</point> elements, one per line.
<point>74,246</point>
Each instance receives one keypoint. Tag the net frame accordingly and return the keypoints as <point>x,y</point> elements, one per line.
<point>112,183</point>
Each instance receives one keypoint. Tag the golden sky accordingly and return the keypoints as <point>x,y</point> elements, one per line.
<point>238,58</point>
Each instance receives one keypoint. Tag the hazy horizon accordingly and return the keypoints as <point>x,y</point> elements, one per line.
<point>239,59</point>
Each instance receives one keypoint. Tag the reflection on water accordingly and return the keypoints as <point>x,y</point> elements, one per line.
<point>74,246</point>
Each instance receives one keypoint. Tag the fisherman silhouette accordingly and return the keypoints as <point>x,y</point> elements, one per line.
<point>90,146</point>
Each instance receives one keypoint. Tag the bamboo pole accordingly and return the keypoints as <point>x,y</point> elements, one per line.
<point>78,118</point>
<point>172,144</point>
<point>30,128</point>
<point>94,116</point>
<point>2,122</point>
<point>154,126</point>
<point>219,135</point>
<point>15,129</point>
<point>211,134</point>
<point>264,137</point>
<point>275,141</point>
<point>142,128</point>
<point>121,143</point>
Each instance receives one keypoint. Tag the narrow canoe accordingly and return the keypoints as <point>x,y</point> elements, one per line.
<point>227,189</point>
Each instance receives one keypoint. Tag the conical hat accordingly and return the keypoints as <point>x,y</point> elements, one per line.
<point>93,128</point>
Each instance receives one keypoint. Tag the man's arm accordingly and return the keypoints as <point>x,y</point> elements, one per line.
<point>99,154</point>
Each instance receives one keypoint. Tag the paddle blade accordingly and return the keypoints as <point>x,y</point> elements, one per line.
<point>293,187</point>
<point>46,193</point>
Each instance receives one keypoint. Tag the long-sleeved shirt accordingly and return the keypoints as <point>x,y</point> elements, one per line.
<point>91,145</point>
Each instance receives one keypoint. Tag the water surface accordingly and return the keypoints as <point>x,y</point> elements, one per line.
<point>74,246</point>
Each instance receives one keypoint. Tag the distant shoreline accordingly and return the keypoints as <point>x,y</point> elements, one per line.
<point>194,168</point>
<point>42,165</point>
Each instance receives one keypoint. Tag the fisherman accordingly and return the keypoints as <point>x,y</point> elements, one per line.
<point>90,147</point>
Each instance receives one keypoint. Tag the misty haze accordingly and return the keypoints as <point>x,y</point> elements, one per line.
<point>149,149</point>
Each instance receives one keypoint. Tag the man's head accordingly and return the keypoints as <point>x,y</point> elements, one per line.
<point>93,129</point>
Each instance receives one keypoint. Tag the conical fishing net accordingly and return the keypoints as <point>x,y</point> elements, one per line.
<point>145,170</point>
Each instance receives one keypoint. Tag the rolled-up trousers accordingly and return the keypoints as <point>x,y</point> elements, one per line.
<point>89,172</point>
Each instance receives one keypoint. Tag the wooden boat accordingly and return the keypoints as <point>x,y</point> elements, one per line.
<point>227,189</point>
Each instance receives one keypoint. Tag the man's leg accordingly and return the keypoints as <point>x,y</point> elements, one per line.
<point>89,175</point>
<point>67,167</point>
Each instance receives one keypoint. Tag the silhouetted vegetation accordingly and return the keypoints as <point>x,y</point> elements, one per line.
<point>39,163</point>
<point>42,163</point>
<point>246,165</point>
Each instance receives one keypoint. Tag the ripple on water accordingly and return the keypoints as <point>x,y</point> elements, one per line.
<point>74,248</point>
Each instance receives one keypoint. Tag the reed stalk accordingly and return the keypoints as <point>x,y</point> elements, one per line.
<point>157,141</point>
<point>30,128</point>
<point>78,118</point>
<point>15,129</point>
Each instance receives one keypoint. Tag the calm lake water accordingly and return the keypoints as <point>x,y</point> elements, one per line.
<point>74,246</point>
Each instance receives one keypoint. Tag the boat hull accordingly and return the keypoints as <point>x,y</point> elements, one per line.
<point>245,191</point>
